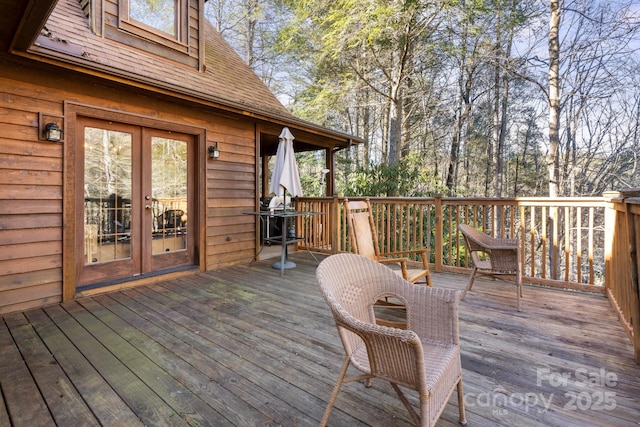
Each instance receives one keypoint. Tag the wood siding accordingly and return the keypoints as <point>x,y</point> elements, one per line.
<point>32,220</point>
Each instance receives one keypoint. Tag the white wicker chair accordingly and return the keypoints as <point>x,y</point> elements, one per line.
<point>424,357</point>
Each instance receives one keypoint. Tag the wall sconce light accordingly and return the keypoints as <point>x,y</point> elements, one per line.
<point>48,127</point>
<point>214,152</point>
<point>52,132</point>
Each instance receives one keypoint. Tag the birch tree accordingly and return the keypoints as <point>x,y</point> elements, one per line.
<point>554,96</point>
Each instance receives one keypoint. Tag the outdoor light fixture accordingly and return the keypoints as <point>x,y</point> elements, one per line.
<point>52,132</point>
<point>214,152</point>
<point>48,129</point>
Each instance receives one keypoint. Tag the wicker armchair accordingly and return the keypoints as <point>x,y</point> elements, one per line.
<point>363,236</point>
<point>501,258</point>
<point>424,357</point>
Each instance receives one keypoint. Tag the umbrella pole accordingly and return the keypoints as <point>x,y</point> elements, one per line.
<point>283,264</point>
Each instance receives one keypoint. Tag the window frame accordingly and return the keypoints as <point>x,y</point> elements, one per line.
<point>178,42</point>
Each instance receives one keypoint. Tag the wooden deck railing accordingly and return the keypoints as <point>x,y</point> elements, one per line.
<point>562,240</point>
<point>574,243</point>
<point>622,261</point>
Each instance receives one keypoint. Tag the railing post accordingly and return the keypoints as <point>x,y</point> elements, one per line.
<point>610,214</point>
<point>439,230</point>
<point>335,225</point>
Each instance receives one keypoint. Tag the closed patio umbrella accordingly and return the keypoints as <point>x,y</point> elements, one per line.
<point>285,177</point>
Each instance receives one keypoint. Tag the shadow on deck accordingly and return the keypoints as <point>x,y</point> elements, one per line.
<point>242,346</point>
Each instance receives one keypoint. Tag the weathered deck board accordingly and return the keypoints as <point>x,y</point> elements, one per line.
<point>242,346</point>
<point>104,402</point>
<point>24,403</point>
<point>65,403</point>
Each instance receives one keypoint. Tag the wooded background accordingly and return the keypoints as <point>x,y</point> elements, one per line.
<point>485,98</point>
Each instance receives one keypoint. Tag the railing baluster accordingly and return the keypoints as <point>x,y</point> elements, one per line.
<point>567,243</point>
<point>591,228</point>
<point>579,244</point>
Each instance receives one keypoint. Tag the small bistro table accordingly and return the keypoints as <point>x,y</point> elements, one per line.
<point>284,239</point>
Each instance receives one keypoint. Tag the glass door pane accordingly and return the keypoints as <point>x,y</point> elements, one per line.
<point>169,195</point>
<point>107,195</point>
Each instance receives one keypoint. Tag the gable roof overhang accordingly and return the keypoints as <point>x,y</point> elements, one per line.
<point>307,138</point>
<point>21,24</point>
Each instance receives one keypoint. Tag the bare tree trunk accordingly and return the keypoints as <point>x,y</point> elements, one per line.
<point>495,132</point>
<point>554,122</point>
<point>463,112</point>
<point>502,135</point>
<point>496,149</point>
<point>451,180</point>
<point>395,104</point>
<point>252,22</point>
<point>554,97</point>
<point>395,136</point>
<point>366,155</point>
<point>454,154</point>
<point>487,170</point>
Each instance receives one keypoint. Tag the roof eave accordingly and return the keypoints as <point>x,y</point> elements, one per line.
<point>81,65</point>
<point>32,19</point>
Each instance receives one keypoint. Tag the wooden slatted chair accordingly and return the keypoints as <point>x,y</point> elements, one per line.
<point>364,241</point>
<point>497,258</point>
<point>424,357</point>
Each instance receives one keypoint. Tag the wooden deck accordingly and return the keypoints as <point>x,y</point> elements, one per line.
<point>243,347</point>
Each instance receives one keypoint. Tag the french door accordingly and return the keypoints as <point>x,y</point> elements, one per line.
<point>135,195</point>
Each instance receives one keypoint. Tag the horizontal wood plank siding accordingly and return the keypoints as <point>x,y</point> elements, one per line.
<point>30,200</point>
<point>232,185</point>
<point>31,179</point>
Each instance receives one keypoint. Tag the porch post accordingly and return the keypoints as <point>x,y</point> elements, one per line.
<point>335,225</point>
<point>330,179</point>
<point>632,213</point>
<point>610,214</point>
<point>439,226</point>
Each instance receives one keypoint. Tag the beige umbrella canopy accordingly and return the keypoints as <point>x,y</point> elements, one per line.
<point>285,177</point>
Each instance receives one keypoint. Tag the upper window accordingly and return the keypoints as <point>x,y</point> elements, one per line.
<point>162,21</point>
<point>168,28</point>
<point>161,15</point>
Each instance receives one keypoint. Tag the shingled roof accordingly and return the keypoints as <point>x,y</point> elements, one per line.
<point>227,80</point>
<point>58,32</point>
